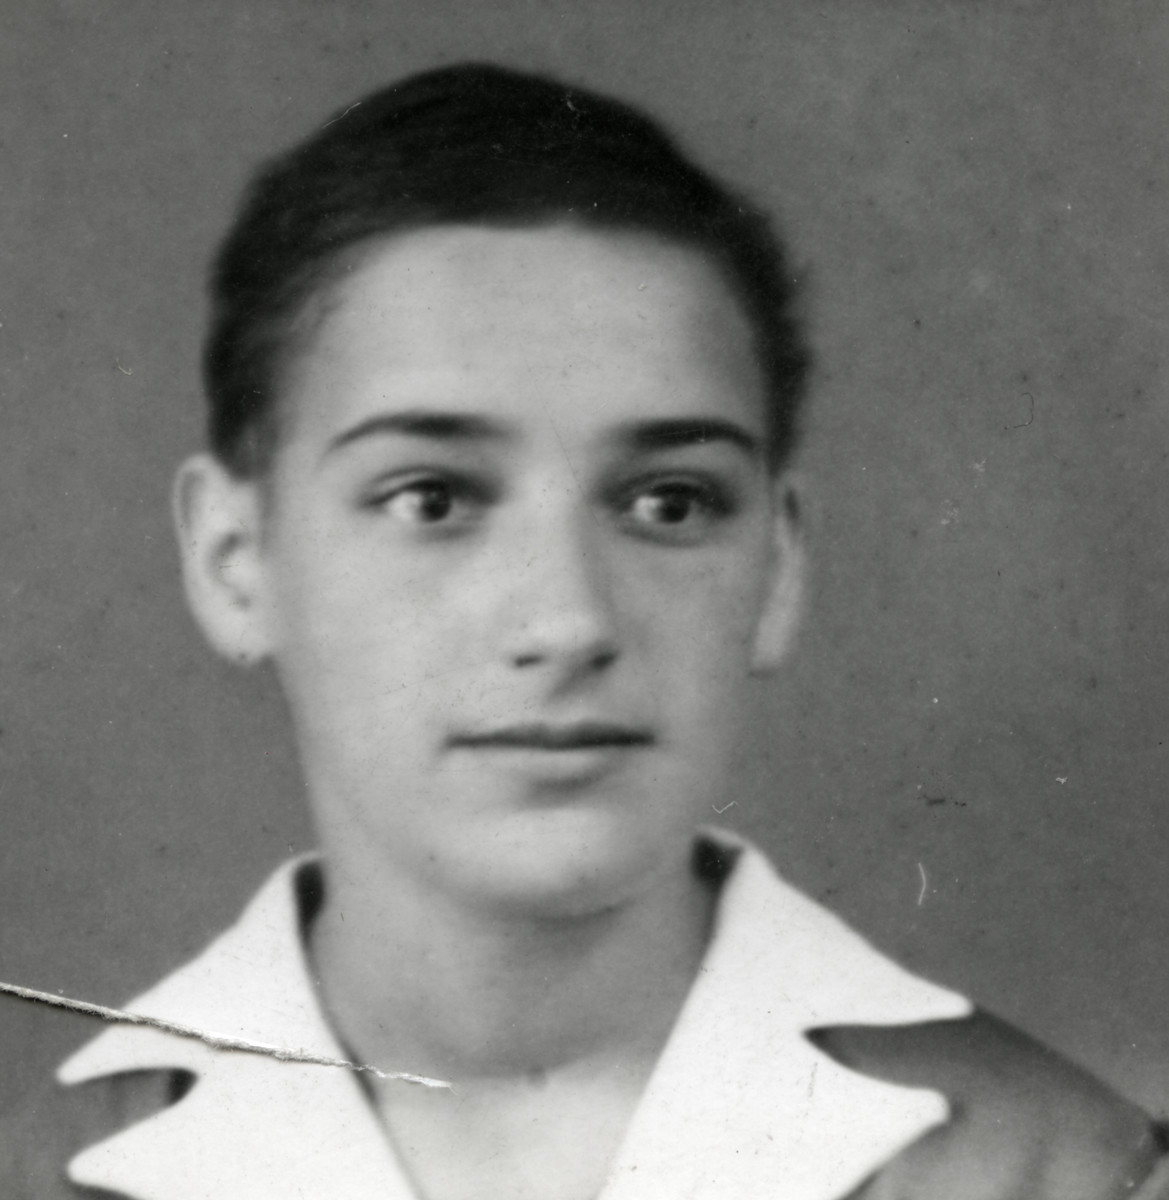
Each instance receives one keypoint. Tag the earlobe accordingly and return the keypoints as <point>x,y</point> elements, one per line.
<point>784,598</point>
<point>218,523</point>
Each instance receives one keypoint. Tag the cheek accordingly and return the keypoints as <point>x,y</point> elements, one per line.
<point>698,606</point>
<point>352,622</point>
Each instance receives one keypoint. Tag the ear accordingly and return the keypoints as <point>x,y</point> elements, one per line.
<point>218,522</point>
<point>783,599</point>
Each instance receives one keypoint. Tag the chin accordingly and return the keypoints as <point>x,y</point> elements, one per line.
<point>571,862</point>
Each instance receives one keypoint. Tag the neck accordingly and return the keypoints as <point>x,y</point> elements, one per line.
<point>421,982</point>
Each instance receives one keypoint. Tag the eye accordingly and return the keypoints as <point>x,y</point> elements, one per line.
<point>428,500</point>
<point>668,505</point>
<point>423,503</point>
<point>676,510</point>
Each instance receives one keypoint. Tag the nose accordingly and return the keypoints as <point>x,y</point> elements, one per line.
<point>557,601</point>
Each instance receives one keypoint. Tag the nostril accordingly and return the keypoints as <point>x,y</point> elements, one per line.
<point>599,660</point>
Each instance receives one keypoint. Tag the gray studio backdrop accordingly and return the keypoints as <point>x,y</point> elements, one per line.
<point>966,756</point>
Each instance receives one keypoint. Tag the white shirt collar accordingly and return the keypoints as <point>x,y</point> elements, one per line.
<point>741,1105</point>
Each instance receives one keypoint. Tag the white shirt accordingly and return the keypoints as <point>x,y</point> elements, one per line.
<point>741,1106</point>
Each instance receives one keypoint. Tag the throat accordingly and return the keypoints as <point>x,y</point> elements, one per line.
<point>542,1136</point>
<point>455,994</point>
<point>549,1031</point>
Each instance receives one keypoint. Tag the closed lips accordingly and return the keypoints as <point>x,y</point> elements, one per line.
<point>584,736</point>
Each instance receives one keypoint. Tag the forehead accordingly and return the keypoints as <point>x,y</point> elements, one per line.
<point>556,322</point>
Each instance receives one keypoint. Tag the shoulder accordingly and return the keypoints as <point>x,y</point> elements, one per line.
<point>1024,1121</point>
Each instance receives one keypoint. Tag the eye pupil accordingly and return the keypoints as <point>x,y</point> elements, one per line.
<point>673,507</point>
<point>434,502</point>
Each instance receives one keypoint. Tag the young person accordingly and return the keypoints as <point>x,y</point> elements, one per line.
<point>503,391</point>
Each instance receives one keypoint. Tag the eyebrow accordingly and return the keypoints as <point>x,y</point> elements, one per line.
<point>691,431</point>
<point>423,423</point>
<point>641,436</point>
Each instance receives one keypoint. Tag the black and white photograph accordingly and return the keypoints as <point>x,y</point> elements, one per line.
<point>585,598</point>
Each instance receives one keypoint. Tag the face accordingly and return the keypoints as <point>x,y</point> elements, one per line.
<point>520,546</point>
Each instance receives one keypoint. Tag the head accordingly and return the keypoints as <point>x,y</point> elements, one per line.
<point>502,393</point>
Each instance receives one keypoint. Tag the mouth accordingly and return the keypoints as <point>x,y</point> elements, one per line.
<point>553,756</point>
<point>578,736</point>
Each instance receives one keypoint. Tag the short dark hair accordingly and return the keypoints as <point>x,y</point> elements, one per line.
<point>471,145</point>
